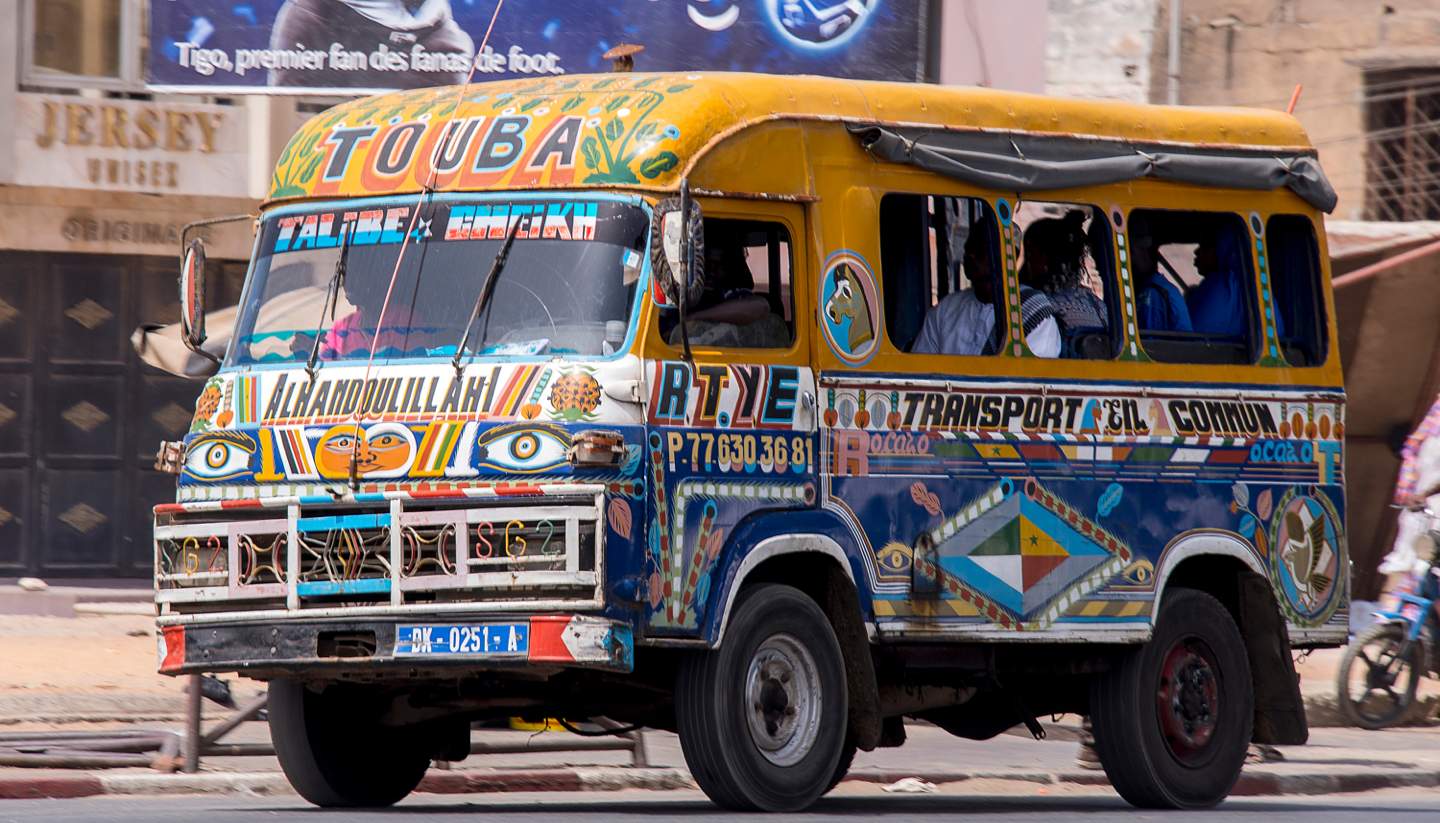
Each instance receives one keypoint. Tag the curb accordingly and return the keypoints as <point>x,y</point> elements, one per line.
<point>274,783</point>
<point>655,779</point>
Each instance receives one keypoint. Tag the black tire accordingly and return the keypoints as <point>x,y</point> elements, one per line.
<point>772,630</point>
<point>1177,742</point>
<point>1368,664</point>
<point>335,753</point>
<point>842,768</point>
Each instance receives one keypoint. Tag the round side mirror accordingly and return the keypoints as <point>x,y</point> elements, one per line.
<point>192,294</point>
<point>667,250</point>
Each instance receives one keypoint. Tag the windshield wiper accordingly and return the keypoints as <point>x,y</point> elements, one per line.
<point>332,297</point>
<point>486,288</point>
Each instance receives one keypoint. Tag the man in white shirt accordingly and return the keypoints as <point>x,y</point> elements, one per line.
<point>964,321</point>
<point>425,28</point>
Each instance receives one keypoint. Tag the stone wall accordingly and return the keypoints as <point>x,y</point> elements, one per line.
<point>1102,48</point>
<point>1254,52</point>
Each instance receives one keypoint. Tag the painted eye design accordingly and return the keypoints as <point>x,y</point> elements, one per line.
<point>894,558</point>
<point>342,443</point>
<point>219,456</point>
<point>525,448</point>
<point>387,441</point>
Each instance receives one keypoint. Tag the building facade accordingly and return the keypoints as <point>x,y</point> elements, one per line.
<point>1370,74</point>
<point>97,182</point>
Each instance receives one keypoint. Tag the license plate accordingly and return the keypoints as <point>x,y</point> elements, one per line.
<point>474,640</point>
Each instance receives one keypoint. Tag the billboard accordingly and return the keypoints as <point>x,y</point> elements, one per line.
<point>324,46</point>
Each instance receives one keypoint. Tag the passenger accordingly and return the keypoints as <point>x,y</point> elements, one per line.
<point>964,322</point>
<point>1217,304</point>
<point>1055,264</point>
<point>729,313</point>
<point>1160,303</point>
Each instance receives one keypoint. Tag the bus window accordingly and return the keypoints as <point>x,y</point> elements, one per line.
<point>1068,254</point>
<point>940,257</point>
<point>1194,286</point>
<point>747,300</point>
<point>1293,260</point>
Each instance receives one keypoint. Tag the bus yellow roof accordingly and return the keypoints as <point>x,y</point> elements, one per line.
<point>643,131</point>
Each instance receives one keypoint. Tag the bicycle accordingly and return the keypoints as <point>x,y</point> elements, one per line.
<point>1401,646</point>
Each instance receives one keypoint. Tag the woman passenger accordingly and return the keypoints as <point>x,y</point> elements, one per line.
<point>1055,264</point>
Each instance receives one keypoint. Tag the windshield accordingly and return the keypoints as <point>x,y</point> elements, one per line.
<point>567,288</point>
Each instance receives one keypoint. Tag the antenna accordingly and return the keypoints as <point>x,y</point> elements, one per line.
<point>425,192</point>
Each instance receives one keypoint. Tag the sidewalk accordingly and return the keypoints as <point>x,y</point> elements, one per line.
<point>1337,760</point>
<point>96,672</point>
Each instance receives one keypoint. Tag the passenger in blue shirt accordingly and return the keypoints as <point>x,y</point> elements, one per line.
<point>1160,303</point>
<point>1217,305</point>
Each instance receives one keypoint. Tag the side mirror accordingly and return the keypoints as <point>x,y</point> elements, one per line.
<point>668,251</point>
<point>192,294</point>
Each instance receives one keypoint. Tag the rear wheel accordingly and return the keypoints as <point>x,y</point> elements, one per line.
<point>1173,719</point>
<point>1378,677</point>
<point>762,718</point>
<point>335,752</point>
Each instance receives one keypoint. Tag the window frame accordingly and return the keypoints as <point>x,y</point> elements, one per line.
<point>1317,288</point>
<point>1255,333</point>
<point>129,79</point>
<point>797,349</point>
<point>1113,296</point>
<point>937,278</point>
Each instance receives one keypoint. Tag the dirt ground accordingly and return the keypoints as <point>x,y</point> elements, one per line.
<point>84,653</point>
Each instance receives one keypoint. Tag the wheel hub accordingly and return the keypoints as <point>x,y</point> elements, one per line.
<point>783,700</point>
<point>1188,699</point>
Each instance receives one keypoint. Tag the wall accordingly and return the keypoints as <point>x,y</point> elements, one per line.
<point>1254,52</point>
<point>993,44</point>
<point>1102,49</point>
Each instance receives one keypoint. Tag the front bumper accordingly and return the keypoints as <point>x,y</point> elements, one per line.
<point>298,646</point>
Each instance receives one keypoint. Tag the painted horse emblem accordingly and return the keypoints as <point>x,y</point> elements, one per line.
<point>848,301</point>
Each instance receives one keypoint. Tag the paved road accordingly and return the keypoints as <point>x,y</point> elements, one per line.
<point>1391,806</point>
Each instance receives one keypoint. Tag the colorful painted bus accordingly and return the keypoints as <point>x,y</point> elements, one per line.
<point>772,411</point>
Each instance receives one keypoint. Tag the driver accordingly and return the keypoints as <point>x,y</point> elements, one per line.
<point>354,334</point>
<point>729,312</point>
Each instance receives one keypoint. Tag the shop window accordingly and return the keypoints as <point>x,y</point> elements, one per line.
<point>1067,255</point>
<point>940,259</point>
<point>747,300</point>
<point>81,43</point>
<point>1293,261</point>
<point>1194,278</point>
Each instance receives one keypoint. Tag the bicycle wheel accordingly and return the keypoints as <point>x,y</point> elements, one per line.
<point>1378,677</point>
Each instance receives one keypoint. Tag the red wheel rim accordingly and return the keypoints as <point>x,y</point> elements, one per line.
<point>1187,699</point>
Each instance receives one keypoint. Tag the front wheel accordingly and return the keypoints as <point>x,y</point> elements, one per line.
<point>1172,720</point>
<point>762,719</point>
<point>334,750</point>
<point>1378,677</point>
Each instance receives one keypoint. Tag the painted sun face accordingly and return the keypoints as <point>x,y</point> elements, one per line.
<point>379,451</point>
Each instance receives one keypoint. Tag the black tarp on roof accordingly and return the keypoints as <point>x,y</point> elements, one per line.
<point>1027,162</point>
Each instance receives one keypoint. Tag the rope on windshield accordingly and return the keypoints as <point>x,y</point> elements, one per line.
<point>425,192</point>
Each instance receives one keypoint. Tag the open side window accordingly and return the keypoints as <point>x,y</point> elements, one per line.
<point>1292,262</point>
<point>1067,254</point>
<point>940,260</point>
<point>1194,280</point>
